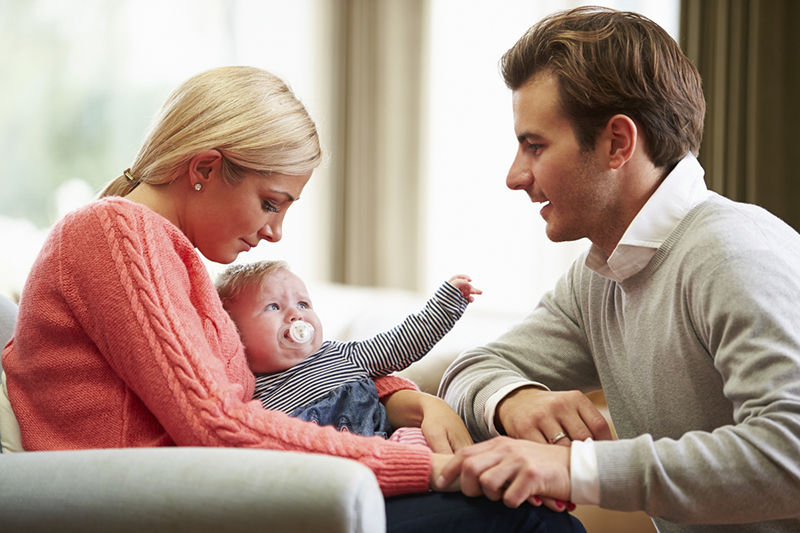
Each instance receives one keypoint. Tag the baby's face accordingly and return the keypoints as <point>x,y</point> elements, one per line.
<point>261,314</point>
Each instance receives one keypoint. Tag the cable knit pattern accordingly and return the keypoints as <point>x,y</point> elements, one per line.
<point>121,341</point>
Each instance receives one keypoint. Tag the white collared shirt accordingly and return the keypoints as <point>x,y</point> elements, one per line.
<point>680,191</point>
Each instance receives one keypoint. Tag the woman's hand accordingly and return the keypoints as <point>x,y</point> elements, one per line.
<point>512,470</point>
<point>443,428</point>
<point>439,462</point>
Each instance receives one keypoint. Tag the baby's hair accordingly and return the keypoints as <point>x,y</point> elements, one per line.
<point>235,278</point>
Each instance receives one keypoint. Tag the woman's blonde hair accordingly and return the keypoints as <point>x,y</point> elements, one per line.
<point>249,115</point>
<point>235,278</point>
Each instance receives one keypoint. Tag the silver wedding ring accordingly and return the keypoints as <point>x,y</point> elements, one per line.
<point>557,437</point>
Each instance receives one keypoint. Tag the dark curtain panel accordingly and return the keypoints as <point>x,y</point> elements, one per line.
<point>748,54</point>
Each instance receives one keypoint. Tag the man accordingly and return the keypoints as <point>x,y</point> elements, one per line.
<point>685,311</point>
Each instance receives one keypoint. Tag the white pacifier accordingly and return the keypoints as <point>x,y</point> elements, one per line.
<point>297,333</point>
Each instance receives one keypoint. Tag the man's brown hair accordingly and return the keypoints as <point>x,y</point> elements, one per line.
<point>611,62</point>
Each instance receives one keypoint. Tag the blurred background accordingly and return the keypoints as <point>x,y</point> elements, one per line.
<point>415,121</point>
<point>414,116</point>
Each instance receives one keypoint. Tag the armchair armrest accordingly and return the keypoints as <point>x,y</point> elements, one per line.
<point>187,489</point>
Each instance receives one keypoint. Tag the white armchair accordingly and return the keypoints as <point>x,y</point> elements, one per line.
<point>183,489</point>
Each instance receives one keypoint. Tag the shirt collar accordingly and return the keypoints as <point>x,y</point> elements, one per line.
<point>681,190</point>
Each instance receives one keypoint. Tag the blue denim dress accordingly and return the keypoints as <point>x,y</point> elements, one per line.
<point>353,407</point>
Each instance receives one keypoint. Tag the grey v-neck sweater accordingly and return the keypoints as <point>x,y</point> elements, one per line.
<point>699,358</point>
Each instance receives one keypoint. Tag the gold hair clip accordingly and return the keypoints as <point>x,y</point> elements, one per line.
<point>128,175</point>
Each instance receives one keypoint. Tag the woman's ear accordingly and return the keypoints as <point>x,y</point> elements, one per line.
<point>203,167</point>
<point>622,138</point>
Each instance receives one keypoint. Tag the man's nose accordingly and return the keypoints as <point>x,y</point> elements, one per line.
<point>519,177</point>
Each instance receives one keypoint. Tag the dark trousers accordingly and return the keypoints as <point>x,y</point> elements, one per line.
<point>438,512</point>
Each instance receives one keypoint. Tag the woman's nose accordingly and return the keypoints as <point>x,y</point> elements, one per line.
<point>272,231</point>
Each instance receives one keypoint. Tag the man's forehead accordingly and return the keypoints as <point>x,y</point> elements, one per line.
<point>540,89</point>
<point>536,106</point>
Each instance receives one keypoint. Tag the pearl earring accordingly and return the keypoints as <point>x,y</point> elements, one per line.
<point>198,186</point>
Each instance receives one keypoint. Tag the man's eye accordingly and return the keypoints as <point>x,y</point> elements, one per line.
<point>535,148</point>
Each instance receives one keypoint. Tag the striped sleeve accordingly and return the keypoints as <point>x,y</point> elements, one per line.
<point>408,342</point>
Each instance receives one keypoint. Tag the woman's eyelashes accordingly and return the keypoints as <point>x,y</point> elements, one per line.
<point>268,206</point>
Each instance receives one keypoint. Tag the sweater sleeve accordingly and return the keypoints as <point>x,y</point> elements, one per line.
<point>387,385</point>
<point>549,346</point>
<point>145,299</point>
<point>745,312</point>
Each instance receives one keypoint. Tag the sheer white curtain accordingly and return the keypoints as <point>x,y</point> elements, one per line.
<point>412,112</point>
<point>81,79</point>
<point>418,125</point>
<point>474,223</point>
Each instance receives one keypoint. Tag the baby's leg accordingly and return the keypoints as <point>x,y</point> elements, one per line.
<point>409,436</point>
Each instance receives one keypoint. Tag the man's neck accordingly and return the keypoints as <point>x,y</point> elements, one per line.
<point>638,181</point>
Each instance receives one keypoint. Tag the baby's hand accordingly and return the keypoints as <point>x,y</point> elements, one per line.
<point>463,284</point>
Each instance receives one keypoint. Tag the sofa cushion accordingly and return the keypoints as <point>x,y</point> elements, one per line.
<point>8,316</point>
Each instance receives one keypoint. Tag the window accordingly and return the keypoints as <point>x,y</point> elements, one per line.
<point>475,223</point>
<point>81,80</point>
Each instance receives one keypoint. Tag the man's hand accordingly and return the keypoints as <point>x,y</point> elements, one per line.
<point>512,470</point>
<point>543,416</point>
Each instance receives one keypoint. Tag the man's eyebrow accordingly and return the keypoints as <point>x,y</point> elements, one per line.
<point>527,136</point>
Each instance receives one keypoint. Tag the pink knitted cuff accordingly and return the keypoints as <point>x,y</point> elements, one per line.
<point>403,469</point>
<point>390,384</point>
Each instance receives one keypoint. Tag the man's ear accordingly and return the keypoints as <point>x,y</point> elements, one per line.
<point>204,166</point>
<point>621,135</point>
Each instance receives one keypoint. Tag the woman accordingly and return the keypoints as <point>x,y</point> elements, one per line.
<point>122,340</point>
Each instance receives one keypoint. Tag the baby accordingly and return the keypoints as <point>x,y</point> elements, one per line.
<point>327,382</point>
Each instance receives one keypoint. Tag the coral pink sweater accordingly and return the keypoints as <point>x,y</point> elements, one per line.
<point>121,341</point>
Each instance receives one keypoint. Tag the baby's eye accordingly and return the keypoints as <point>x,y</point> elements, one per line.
<point>271,307</point>
<point>303,305</point>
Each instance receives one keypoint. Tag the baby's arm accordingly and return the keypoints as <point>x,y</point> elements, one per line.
<point>409,341</point>
<point>462,282</point>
